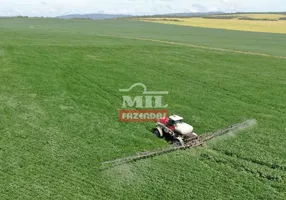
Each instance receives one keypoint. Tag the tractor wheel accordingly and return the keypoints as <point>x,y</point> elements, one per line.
<point>178,142</point>
<point>157,132</point>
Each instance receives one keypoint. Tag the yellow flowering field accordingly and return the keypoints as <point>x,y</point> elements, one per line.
<point>231,24</point>
<point>261,16</point>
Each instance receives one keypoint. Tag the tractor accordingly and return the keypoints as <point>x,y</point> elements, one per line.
<point>174,129</point>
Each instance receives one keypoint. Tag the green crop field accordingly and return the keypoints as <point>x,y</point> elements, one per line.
<point>60,99</point>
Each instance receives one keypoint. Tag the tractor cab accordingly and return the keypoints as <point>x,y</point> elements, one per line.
<point>179,125</point>
<point>175,119</point>
<point>171,121</point>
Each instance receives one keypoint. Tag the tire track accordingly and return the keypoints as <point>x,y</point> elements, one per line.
<point>270,165</point>
<point>195,46</point>
<point>176,43</point>
<point>266,171</point>
<point>78,77</point>
<point>224,91</point>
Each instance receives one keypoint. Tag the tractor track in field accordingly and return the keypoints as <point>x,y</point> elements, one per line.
<point>82,79</point>
<point>253,167</point>
<point>174,43</point>
<point>231,94</point>
<point>272,166</point>
<point>195,46</point>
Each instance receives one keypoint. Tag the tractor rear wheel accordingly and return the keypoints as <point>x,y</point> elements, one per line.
<point>157,133</point>
<point>178,142</point>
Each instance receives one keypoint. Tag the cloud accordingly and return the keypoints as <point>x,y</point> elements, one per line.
<point>199,8</point>
<point>17,11</point>
<point>52,9</point>
<point>224,1</point>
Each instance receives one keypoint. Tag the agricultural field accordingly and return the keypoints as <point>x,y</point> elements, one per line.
<point>269,23</point>
<point>261,16</point>
<point>257,16</point>
<point>60,99</point>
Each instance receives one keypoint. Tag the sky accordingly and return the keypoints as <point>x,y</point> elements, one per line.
<point>52,8</point>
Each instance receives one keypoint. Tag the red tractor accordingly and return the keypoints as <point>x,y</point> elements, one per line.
<point>174,129</point>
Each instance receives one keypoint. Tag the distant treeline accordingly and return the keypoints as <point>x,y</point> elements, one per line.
<point>217,15</point>
<point>15,17</point>
<point>256,19</point>
<point>163,19</point>
<point>281,13</point>
<point>214,15</point>
<point>27,17</point>
<point>166,16</point>
<point>83,18</point>
<point>220,17</point>
<point>241,18</point>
